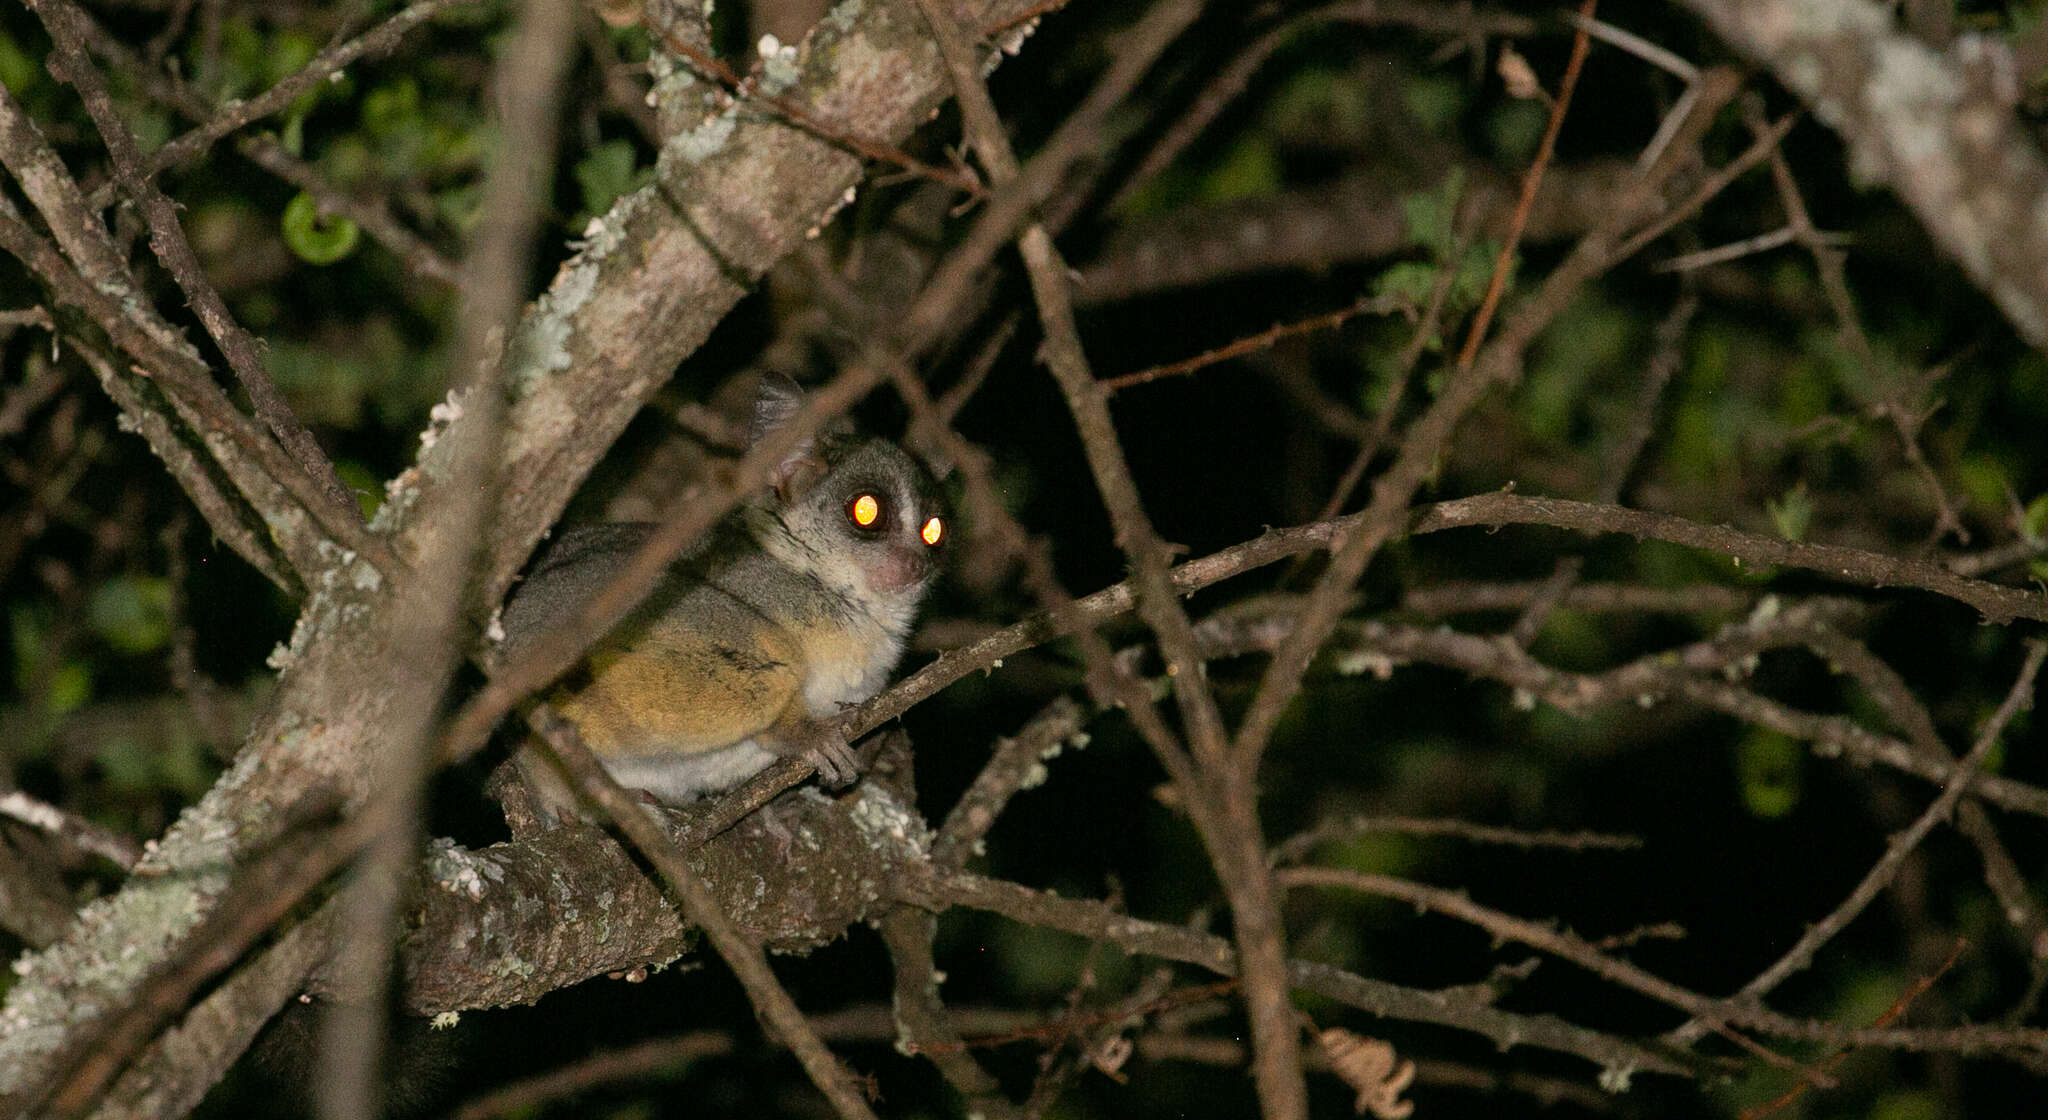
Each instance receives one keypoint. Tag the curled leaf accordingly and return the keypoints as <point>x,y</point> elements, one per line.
<point>316,239</point>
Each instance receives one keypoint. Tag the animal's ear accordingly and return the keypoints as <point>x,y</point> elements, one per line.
<point>775,403</point>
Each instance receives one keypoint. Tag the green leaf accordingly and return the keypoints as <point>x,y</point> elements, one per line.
<point>1475,272</point>
<point>1985,479</point>
<point>1591,336</point>
<point>317,240</point>
<point>17,70</point>
<point>1408,280</point>
<point>1767,767</point>
<point>1793,513</point>
<point>1431,216</point>
<point>1434,101</point>
<point>152,127</point>
<point>460,207</point>
<point>289,52</point>
<point>244,57</point>
<point>131,613</point>
<point>1378,853</point>
<point>126,764</point>
<point>1249,170</point>
<point>70,688</point>
<point>363,483</point>
<point>25,634</point>
<point>449,149</point>
<point>1515,129</point>
<point>1038,961</point>
<point>1908,1104</point>
<point>1326,107</point>
<point>349,160</point>
<point>2034,523</point>
<point>392,108</point>
<point>183,765</point>
<point>1805,391</point>
<point>607,172</point>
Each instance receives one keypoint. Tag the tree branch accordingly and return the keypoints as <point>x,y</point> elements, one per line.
<point>1938,127</point>
<point>167,238</point>
<point>659,270</point>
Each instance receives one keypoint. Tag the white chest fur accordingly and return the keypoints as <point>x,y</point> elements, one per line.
<point>848,664</point>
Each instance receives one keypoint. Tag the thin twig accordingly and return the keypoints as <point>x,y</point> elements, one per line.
<point>1848,565</point>
<point>197,477</point>
<point>1722,254</point>
<point>1759,150</point>
<point>1231,831</point>
<point>524,1096</point>
<point>375,218</point>
<point>200,403</point>
<point>1971,1039</point>
<point>374,43</point>
<point>1621,457</point>
<point>1881,873</point>
<point>1008,770</point>
<point>1996,557</point>
<point>1532,181</point>
<point>1259,341</point>
<point>167,238</point>
<point>1834,282</point>
<point>1462,597</point>
<point>1636,45</point>
<point>1405,364</point>
<point>1057,1030</point>
<point>41,385</point>
<point>427,629</point>
<point>740,88</point>
<point>1693,673</point>
<point>1834,735</point>
<point>1298,846</point>
<point>1098,920</point>
<point>71,829</point>
<point>1891,694</point>
<point>924,1025</point>
<point>1891,1015</point>
<point>956,396</point>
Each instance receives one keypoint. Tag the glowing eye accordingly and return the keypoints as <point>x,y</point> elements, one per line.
<point>933,532</point>
<point>865,510</point>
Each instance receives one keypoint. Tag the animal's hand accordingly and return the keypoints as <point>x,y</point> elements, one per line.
<point>818,742</point>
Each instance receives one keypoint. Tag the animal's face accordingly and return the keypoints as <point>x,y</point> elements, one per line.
<point>871,524</point>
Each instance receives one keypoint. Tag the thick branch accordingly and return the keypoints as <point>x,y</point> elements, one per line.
<point>1937,127</point>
